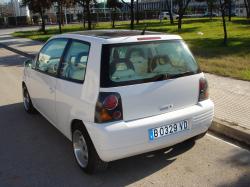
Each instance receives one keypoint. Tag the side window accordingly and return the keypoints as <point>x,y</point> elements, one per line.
<point>49,57</point>
<point>75,62</point>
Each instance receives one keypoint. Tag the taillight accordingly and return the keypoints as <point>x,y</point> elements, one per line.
<point>108,107</point>
<point>203,90</point>
<point>110,102</point>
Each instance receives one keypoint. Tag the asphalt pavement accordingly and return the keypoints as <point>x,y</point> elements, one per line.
<point>34,153</point>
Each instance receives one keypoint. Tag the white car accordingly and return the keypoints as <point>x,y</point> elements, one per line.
<point>166,15</point>
<point>116,94</point>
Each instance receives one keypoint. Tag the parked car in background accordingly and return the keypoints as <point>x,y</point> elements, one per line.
<point>208,14</point>
<point>166,15</point>
<point>117,93</point>
<point>233,14</point>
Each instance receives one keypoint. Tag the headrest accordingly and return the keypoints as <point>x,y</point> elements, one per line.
<point>137,50</point>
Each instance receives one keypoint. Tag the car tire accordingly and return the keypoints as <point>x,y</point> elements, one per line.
<point>84,151</point>
<point>27,103</point>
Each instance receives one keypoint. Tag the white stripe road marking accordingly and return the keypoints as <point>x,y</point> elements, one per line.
<point>210,135</point>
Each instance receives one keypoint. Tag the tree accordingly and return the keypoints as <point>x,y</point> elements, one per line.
<point>114,5</point>
<point>223,5</point>
<point>247,5</point>
<point>132,16</point>
<point>210,5</point>
<point>82,3</point>
<point>137,12</point>
<point>169,7</point>
<point>60,5</point>
<point>182,6</point>
<point>86,7</point>
<point>59,17</point>
<point>38,6</point>
<point>229,9</point>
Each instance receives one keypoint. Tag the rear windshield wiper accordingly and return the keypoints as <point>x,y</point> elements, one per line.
<point>165,76</point>
<point>181,74</point>
<point>159,77</point>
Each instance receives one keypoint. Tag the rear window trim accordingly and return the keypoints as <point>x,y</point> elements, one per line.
<point>106,82</point>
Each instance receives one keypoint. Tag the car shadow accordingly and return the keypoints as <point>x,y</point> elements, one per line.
<point>12,60</point>
<point>130,170</point>
<point>240,160</point>
<point>34,153</point>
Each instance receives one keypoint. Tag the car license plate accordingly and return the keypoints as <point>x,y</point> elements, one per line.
<point>165,130</point>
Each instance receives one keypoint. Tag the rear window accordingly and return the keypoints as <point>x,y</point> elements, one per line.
<point>134,63</point>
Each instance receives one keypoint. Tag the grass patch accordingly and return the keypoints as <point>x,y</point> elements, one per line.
<point>204,37</point>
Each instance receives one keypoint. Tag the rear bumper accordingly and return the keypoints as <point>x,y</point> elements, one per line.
<point>123,139</point>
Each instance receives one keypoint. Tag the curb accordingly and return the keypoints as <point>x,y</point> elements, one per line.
<point>231,130</point>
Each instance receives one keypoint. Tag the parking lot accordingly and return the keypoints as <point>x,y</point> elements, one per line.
<point>34,153</point>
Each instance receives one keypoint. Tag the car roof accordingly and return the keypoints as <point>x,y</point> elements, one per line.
<point>117,36</point>
<point>109,34</point>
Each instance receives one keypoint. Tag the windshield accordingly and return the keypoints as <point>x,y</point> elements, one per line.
<point>147,61</point>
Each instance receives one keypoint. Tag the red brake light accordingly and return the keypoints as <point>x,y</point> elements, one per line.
<point>110,102</point>
<point>203,89</point>
<point>108,107</point>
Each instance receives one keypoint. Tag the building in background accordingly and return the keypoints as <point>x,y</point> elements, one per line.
<point>19,10</point>
<point>13,8</point>
<point>194,8</point>
<point>6,9</point>
<point>240,9</point>
<point>13,14</point>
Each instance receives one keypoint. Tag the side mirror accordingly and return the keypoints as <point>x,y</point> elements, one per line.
<point>28,63</point>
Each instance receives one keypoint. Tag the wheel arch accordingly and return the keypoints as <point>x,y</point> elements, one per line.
<point>78,122</point>
<point>74,124</point>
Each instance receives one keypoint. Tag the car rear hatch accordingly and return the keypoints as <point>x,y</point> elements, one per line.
<point>154,98</point>
<point>152,78</point>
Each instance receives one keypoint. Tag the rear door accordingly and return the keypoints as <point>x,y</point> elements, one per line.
<point>152,78</point>
<point>43,79</point>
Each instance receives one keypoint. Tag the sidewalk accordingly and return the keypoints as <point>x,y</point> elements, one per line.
<point>22,46</point>
<point>231,97</point>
